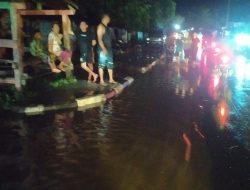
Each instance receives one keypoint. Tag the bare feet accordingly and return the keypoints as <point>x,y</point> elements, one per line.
<point>95,77</point>
<point>61,68</point>
<point>102,83</point>
<point>113,82</point>
<point>55,70</point>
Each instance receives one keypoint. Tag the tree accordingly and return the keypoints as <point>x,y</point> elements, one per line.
<point>135,15</point>
<point>132,14</point>
<point>162,13</point>
<point>200,16</point>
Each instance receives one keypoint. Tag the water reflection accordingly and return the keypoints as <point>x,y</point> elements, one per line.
<point>231,104</point>
<point>65,134</point>
<point>105,115</point>
<point>220,91</point>
<point>132,142</point>
<point>186,78</point>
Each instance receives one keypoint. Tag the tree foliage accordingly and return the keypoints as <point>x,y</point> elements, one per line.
<point>162,13</point>
<point>133,14</point>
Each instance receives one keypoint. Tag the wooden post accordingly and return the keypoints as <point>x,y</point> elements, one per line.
<point>66,40</point>
<point>16,30</point>
<point>16,52</point>
<point>66,29</point>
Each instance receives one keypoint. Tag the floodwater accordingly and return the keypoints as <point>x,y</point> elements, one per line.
<point>158,135</point>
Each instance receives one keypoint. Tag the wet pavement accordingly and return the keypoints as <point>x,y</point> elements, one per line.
<point>163,132</point>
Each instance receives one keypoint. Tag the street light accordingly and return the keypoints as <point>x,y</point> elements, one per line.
<point>177,27</point>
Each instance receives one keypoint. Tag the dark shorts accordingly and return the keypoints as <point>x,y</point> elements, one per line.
<point>105,61</point>
<point>86,58</point>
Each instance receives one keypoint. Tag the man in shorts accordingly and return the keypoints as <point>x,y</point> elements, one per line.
<point>105,55</point>
<point>86,42</point>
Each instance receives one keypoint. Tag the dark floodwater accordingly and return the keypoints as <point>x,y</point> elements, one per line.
<point>133,142</point>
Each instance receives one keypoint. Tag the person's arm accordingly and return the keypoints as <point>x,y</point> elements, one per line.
<point>93,42</point>
<point>50,44</point>
<point>100,33</point>
<point>33,48</point>
<point>93,38</point>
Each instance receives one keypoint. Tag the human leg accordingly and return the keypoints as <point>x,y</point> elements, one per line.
<point>91,73</point>
<point>111,78</point>
<point>110,66</point>
<point>91,67</point>
<point>51,62</point>
<point>101,73</point>
<point>101,65</point>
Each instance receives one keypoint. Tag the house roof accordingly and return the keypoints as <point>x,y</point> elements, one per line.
<point>64,4</point>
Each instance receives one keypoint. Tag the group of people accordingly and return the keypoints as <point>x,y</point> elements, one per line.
<point>184,48</point>
<point>86,41</point>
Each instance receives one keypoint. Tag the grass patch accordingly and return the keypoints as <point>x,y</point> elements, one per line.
<point>63,82</point>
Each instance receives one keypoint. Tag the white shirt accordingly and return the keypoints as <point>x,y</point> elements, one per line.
<point>56,40</point>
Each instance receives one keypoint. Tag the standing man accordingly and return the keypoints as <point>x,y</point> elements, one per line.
<point>194,48</point>
<point>105,55</point>
<point>86,42</point>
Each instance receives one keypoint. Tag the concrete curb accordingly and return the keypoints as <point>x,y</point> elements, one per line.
<point>80,103</point>
<point>146,69</point>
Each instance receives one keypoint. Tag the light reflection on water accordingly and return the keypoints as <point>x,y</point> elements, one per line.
<point>131,142</point>
<point>240,123</point>
<point>231,108</point>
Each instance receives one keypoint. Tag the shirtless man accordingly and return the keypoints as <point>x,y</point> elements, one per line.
<point>105,55</point>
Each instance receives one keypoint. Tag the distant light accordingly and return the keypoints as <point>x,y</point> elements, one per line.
<point>213,44</point>
<point>225,59</point>
<point>164,38</point>
<point>241,59</point>
<point>227,33</point>
<point>242,39</point>
<point>222,111</point>
<point>217,50</point>
<point>176,35</point>
<point>147,39</point>
<point>216,81</point>
<point>240,67</point>
<point>177,27</point>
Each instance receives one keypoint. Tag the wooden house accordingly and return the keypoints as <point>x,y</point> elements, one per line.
<point>17,12</point>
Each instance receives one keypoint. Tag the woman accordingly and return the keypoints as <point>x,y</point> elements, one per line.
<point>55,50</point>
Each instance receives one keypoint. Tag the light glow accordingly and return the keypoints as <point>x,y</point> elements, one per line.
<point>225,59</point>
<point>177,27</point>
<point>242,39</point>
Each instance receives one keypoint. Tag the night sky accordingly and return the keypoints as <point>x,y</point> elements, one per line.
<point>239,9</point>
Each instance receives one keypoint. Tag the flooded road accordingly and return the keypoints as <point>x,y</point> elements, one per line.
<point>159,134</point>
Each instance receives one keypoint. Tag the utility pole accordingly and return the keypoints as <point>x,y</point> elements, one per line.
<point>228,12</point>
